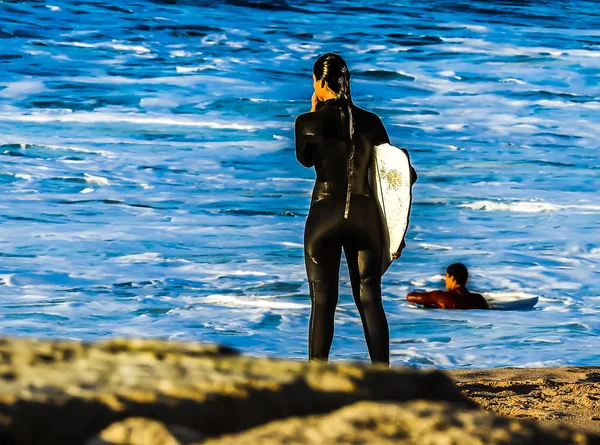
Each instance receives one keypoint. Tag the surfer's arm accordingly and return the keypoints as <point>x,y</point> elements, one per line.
<point>435,298</point>
<point>380,135</point>
<point>413,172</point>
<point>303,145</point>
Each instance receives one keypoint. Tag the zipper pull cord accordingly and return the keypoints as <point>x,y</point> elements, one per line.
<point>350,176</point>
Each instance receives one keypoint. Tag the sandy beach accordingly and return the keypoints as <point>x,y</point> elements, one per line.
<point>569,395</point>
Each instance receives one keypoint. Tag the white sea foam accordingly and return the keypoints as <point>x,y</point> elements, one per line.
<point>469,26</point>
<point>243,273</point>
<point>148,257</point>
<point>194,69</point>
<point>513,80</point>
<point>428,246</point>
<point>367,48</point>
<point>304,47</point>
<point>87,190</point>
<point>111,45</point>
<point>290,244</point>
<point>129,118</point>
<point>53,8</point>
<point>527,206</point>
<point>98,180</point>
<point>22,88</point>
<point>213,39</point>
<point>164,101</point>
<point>252,302</point>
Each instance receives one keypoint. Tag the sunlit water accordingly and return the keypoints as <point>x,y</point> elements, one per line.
<point>149,186</point>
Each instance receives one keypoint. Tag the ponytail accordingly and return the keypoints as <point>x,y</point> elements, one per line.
<point>345,93</point>
<point>332,69</point>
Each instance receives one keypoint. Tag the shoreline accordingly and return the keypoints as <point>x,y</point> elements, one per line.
<point>567,395</point>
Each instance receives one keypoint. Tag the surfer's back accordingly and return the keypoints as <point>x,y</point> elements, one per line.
<point>323,141</point>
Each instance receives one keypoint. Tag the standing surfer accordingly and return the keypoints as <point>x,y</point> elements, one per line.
<point>339,139</point>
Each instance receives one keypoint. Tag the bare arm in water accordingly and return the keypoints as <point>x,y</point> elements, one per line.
<point>436,298</point>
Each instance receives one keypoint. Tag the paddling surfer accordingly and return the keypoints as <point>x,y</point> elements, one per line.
<point>456,297</point>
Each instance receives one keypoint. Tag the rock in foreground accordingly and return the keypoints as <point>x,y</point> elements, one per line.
<point>65,393</point>
<point>134,392</point>
<point>409,423</point>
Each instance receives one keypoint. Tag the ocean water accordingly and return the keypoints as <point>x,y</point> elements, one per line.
<point>149,186</point>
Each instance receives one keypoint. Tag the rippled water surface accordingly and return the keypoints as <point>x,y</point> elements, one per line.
<point>149,186</point>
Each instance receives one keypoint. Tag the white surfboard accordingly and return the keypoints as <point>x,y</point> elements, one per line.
<point>509,301</point>
<point>391,184</point>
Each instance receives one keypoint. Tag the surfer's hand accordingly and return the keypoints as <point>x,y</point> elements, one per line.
<point>396,255</point>
<point>313,102</point>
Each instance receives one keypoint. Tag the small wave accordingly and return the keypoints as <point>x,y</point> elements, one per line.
<point>110,45</point>
<point>427,246</point>
<point>252,302</point>
<point>98,180</point>
<point>243,273</point>
<point>23,88</point>
<point>450,74</point>
<point>194,69</point>
<point>525,206</point>
<point>289,244</point>
<point>27,146</point>
<point>513,80</point>
<point>148,257</point>
<point>470,27</point>
<point>108,118</point>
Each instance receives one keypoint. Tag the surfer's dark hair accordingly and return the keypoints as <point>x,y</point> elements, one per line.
<point>332,68</point>
<point>460,273</point>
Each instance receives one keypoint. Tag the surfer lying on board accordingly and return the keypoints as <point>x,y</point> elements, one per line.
<point>457,296</point>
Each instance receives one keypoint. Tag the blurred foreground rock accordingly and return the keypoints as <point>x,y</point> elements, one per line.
<point>409,423</point>
<point>141,431</point>
<point>131,392</point>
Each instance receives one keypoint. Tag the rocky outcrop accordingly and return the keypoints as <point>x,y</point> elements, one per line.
<point>133,392</point>
<point>409,423</point>
<point>64,393</point>
<point>140,431</point>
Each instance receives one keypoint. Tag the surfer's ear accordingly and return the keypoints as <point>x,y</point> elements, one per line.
<point>450,281</point>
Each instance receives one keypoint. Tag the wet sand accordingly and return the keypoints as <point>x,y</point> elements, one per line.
<point>569,395</point>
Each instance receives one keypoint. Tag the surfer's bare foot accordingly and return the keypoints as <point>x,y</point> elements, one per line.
<point>395,255</point>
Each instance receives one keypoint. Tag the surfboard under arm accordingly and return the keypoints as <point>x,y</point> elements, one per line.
<point>392,187</point>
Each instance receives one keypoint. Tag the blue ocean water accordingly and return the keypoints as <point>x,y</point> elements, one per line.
<point>149,186</point>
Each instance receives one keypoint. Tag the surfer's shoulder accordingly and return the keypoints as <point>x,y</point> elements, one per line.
<point>368,117</point>
<point>365,114</point>
<point>302,122</point>
<point>301,118</point>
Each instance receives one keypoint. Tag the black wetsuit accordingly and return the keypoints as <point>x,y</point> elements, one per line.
<point>343,214</point>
